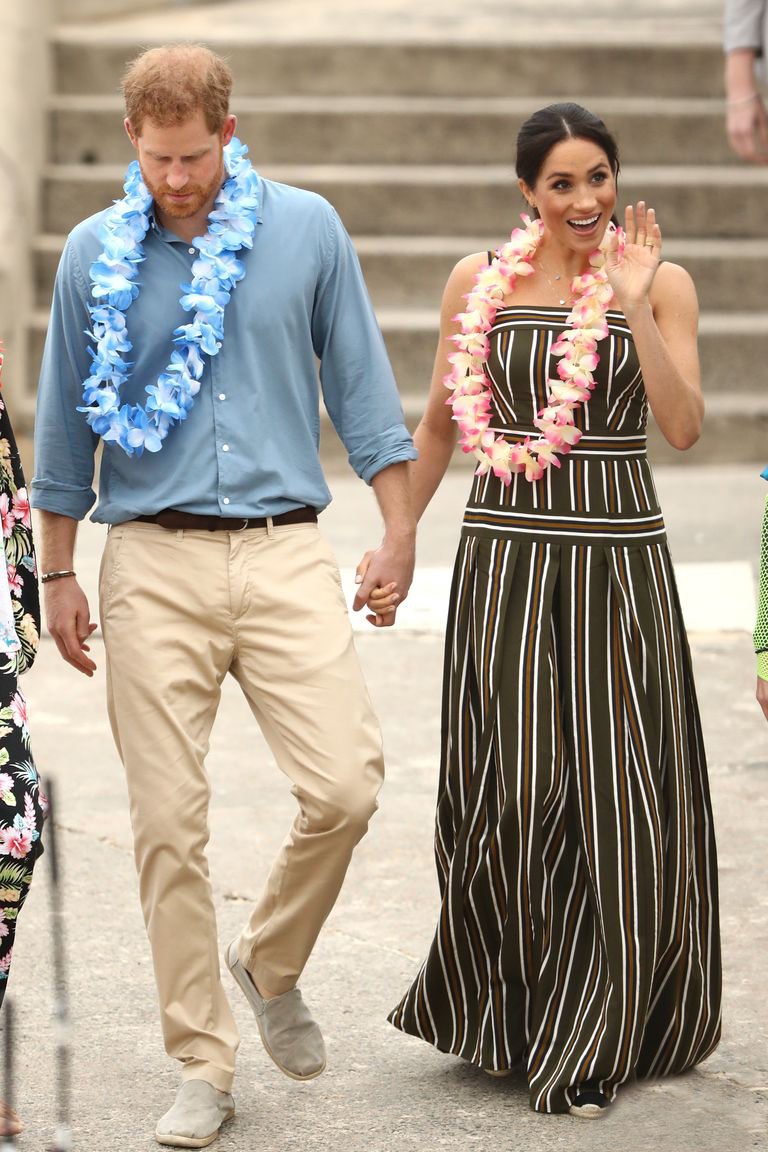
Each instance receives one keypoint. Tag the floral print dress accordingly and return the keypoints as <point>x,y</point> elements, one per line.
<point>22,800</point>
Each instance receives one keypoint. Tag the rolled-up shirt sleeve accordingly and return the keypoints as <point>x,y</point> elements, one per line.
<point>745,25</point>
<point>358,386</point>
<point>64,442</point>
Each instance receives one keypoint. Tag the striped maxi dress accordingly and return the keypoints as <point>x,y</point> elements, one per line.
<point>578,931</point>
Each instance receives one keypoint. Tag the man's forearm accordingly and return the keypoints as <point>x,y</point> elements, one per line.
<point>57,541</point>
<point>740,74</point>
<point>393,493</point>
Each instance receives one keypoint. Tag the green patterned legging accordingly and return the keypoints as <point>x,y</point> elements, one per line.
<point>761,627</point>
<point>22,811</point>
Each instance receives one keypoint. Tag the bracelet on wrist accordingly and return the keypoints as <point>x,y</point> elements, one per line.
<point>743,99</point>
<point>48,576</point>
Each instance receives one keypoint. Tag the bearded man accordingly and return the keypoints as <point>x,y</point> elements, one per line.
<point>185,325</point>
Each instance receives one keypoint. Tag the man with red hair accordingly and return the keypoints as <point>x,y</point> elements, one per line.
<point>207,294</point>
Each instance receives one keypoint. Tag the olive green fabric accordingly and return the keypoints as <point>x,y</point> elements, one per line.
<point>578,929</point>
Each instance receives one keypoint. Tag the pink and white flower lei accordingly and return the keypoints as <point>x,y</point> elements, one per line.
<point>470,389</point>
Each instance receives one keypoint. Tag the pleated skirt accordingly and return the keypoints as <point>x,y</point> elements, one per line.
<point>578,931</point>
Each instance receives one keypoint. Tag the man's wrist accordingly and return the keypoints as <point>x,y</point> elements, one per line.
<point>56,574</point>
<point>740,72</point>
<point>401,534</point>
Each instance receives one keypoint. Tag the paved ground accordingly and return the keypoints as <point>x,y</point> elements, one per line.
<point>382,1090</point>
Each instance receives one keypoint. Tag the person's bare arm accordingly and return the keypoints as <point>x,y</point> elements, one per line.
<point>434,439</point>
<point>391,564</point>
<point>746,117</point>
<point>666,340</point>
<point>66,606</point>
<point>659,302</point>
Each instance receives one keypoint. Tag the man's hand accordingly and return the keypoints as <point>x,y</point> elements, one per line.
<point>69,622</point>
<point>384,577</point>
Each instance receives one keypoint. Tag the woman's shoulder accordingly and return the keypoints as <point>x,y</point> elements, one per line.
<point>672,285</point>
<point>468,267</point>
<point>462,279</point>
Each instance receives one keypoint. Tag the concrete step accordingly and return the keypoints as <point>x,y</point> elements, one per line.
<point>735,428</point>
<point>403,129</point>
<point>692,200</point>
<point>520,63</point>
<point>733,349</point>
<point>410,271</point>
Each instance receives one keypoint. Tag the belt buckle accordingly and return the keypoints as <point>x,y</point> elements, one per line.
<point>245,525</point>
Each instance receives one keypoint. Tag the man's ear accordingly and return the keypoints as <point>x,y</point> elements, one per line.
<point>132,136</point>
<point>228,129</point>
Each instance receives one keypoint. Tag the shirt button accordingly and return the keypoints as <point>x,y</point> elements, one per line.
<point>225,447</point>
<point>222,395</point>
<point>225,500</point>
<point>192,251</point>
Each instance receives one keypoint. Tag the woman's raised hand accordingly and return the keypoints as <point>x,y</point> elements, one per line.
<point>631,273</point>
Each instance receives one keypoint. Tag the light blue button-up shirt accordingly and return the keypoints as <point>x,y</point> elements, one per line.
<point>249,446</point>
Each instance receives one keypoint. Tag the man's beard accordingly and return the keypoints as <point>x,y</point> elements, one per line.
<point>196,196</point>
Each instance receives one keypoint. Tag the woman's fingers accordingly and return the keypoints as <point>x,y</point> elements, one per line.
<point>653,232</point>
<point>383,597</point>
<point>384,619</point>
<point>382,604</point>
<point>641,227</point>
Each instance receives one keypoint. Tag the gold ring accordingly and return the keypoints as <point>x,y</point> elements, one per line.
<point>650,243</point>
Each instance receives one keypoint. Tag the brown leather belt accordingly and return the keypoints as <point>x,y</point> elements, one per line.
<point>176,521</point>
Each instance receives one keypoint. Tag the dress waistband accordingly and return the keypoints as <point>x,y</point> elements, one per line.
<point>604,444</point>
<point>643,528</point>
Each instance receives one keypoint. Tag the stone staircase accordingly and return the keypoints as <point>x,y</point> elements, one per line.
<point>421,175</point>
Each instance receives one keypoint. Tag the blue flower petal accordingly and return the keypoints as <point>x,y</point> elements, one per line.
<point>114,273</point>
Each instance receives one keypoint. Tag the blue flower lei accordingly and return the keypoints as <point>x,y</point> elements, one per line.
<point>114,273</point>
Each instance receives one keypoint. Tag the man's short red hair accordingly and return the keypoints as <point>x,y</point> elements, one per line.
<point>168,85</point>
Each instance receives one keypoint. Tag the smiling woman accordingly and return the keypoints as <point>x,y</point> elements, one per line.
<point>578,931</point>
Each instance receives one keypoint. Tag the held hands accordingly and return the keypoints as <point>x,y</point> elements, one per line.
<point>69,622</point>
<point>631,274</point>
<point>384,577</point>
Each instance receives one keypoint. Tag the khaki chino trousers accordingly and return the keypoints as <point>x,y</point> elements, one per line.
<point>180,610</point>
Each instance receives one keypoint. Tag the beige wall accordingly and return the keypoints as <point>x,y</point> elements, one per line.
<point>23,93</point>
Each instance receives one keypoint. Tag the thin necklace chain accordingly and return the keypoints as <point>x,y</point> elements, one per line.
<point>558,276</point>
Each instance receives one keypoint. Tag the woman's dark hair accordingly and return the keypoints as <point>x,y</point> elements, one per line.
<point>550,126</point>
